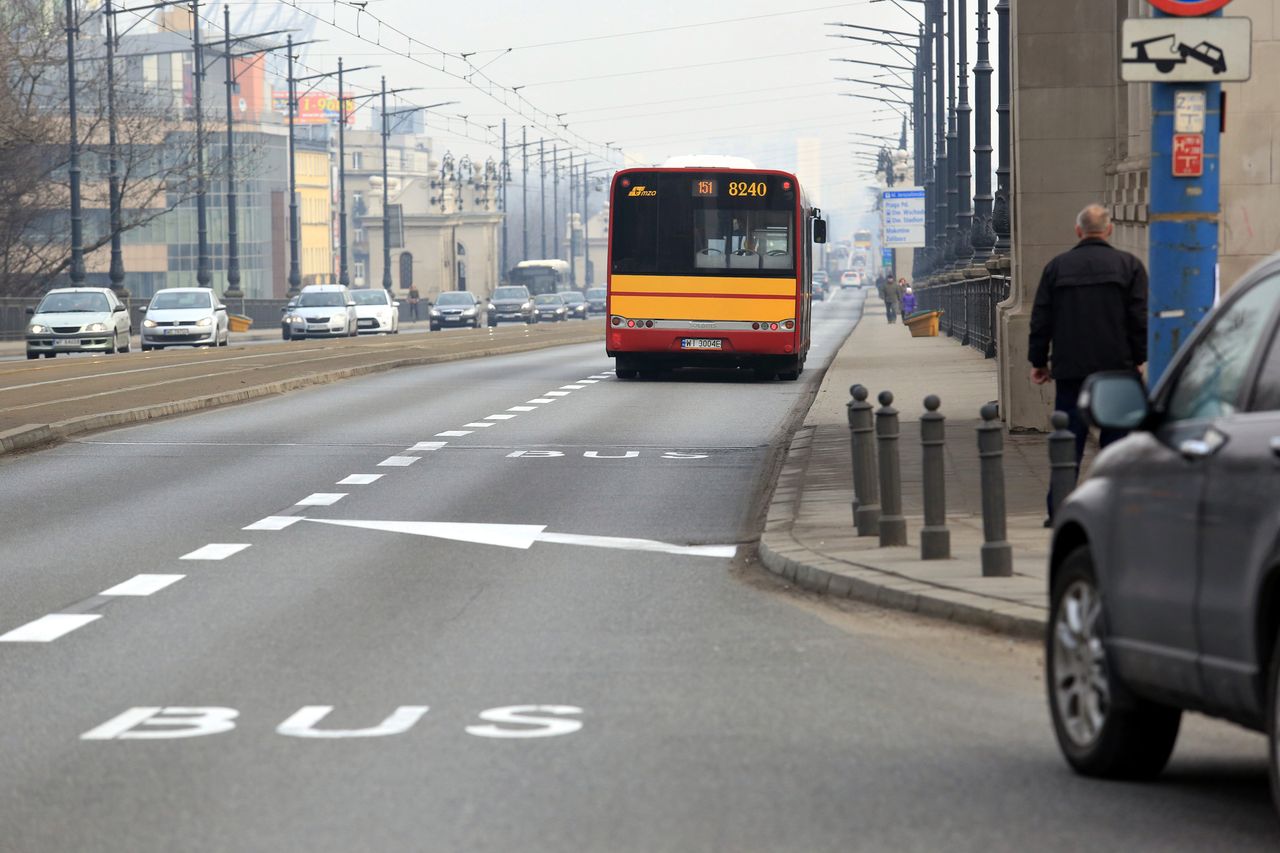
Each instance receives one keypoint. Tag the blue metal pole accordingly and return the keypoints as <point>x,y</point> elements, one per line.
<point>1183,228</point>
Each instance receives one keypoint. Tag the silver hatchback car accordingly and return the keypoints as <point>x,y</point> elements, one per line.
<point>78,319</point>
<point>185,316</point>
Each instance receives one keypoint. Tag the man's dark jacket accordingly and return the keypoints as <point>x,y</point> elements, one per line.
<point>1092,308</point>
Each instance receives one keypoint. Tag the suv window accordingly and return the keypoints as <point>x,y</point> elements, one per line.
<point>511,293</point>
<point>1210,381</point>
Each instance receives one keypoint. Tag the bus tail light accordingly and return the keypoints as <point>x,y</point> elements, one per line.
<point>790,324</point>
<point>617,321</point>
<point>773,326</point>
<point>755,326</point>
<point>648,324</point>
<point>631,324</point>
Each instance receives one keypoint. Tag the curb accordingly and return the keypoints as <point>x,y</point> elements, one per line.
<point>785,557</point>
<point>38,435</point>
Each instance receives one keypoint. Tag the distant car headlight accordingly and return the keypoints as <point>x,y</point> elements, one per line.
<point>205,321</point>
<point>527,306</point>
<point>148,324</point>
<point>470,312</point>
<point>96,327</point>
<point>435,312</point>
<point>37,329</point>
<point>294,318</point>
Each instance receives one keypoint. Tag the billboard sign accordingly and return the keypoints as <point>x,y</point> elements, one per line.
<point>314,107</point>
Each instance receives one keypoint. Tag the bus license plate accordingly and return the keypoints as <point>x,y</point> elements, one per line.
<point>701,343</point>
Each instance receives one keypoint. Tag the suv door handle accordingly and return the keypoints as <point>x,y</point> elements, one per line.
<point>1195,448</point>
<point>1275,445</point>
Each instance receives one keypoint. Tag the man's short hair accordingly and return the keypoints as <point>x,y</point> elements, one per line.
<point>1094,219</point>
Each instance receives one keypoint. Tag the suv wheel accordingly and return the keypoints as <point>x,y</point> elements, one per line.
<point>1101,728</point>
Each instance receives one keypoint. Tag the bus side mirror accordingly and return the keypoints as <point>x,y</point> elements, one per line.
<point>819,230</point>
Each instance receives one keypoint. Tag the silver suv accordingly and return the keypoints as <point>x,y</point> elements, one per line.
<point>323,311</point>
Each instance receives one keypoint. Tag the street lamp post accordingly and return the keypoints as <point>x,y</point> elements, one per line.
<point>1002,209</point>
<point>953,153</point>
<point>586,215</point>
<point>542,195</point>
<point>203,276</point>
<point>964,173</point>
<point>502,201</point>
<point>295,272</point>
<point>940,140</point>
<point>983,236</point>
<point>555,200</point>
<point>524,193</point>
<point>116,270</point>
<point>233,250</point>
<point>76,272</point>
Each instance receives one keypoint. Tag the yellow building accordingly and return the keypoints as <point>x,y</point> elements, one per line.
<point>315,217</point>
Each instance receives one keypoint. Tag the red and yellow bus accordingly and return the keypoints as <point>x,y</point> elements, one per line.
<point>710,265</point>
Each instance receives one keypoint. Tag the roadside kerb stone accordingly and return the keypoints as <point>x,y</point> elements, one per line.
<point>38,435</point>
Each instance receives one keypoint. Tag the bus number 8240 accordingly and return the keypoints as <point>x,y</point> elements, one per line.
<point>748,188</point>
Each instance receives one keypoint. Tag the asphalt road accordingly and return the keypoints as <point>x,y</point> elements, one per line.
<point>531,636</point>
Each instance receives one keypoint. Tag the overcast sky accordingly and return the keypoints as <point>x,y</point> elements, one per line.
<point>656,79</point>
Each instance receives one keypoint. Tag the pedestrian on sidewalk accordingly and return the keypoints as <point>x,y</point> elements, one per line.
<point>892,300</point>
<point>414,298</point>
<point>1090,315</point>
<point>908,299</point>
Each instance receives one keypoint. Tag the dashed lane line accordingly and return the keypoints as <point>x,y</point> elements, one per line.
<point>541,400</point>
<point>398,461</point>
<point>523,409</point>
<point>215,551</point>
<point>453,433</point>
<point>143,585</point>
<point>479,424</point>
<point>499,417</point>
<point>557,394</point>
<point>428,445</point>
<point>322,499</point>
<point>359,480</point>
<point>274,522</point>
<point>48,628</point>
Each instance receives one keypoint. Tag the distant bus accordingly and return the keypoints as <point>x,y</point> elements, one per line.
<point>542,276</point>
<point>862,239</point>
<point>710,264</point>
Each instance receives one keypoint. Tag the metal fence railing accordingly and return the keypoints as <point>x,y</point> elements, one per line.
<point>968,309</point>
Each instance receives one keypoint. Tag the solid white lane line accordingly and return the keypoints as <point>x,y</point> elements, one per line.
<point>479,424</point>
<point>572,387</point>
<point>358,479</point>
<point>454,433</point>
<point>429,445</point>
<point>398,461</point>
<point>274,522</point>
<point>48,628</point>
<point>322,499</point>
<point>214,551</point>
<point>499,417</point>
<point>522,409</point>
<point>540,400</point>
<point>557,394</point>
<point>142,585</point>
<point>505,535</point>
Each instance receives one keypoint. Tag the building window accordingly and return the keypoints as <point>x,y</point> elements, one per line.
<point>359,273</point>
<point>406,270</point>
<point>357,162</point>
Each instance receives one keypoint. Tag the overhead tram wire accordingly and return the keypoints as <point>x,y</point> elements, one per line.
<point>548,121</point>
<point>756,58</point>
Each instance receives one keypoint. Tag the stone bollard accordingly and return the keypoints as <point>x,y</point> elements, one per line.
<point>935,539</point>
<point>893,527</point>
<point>866,486</point>
<point>997,554</point>
<point>1062,462</point>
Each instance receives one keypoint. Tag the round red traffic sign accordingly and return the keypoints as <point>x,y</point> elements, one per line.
<point>1188,8</point>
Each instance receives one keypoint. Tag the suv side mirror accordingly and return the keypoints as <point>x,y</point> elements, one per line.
<point>31,310</point>
<point>118,308</point>
<point>1115,400</point>
<point>819,230</point>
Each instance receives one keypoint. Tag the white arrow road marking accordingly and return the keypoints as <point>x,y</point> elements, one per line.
<point>49,628</point>
<point>523,536</point>
<point>142,585</point>
<point>214,551</point>
<point>506,535</point>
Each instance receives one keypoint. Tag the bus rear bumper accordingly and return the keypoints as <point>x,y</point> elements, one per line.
<point>692,346</point>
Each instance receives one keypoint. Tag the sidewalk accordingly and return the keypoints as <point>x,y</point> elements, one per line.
<point>809,536</point>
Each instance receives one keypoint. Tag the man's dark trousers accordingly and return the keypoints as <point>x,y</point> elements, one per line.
<point>1066,399</point>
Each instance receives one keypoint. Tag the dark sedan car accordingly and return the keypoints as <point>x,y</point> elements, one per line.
<point>550,307</point>
<point>1165,567</point>
<point>597,300</point>
<point>576,303</point>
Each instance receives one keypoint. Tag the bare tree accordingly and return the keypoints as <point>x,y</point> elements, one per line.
<point>156,148</point>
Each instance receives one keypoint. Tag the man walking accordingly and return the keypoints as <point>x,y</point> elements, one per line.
<point>892,300</point>
<point>1090,314</point>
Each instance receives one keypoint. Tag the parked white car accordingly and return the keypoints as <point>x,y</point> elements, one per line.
<point>185,316</point>
<point>376,311</point>
<point>323,311</point>
<point>78,319</point>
